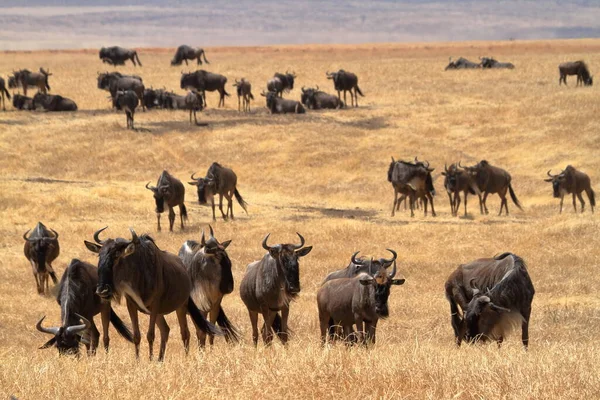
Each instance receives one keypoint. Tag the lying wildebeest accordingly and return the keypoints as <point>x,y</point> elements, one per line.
<point>490,62</point>
<point>53,102</point>
<point>153,281</point>
<point>209,268</point>
<point>494,295</point>
<point>356,300</point>
<point>171,101</point>
<point>194,102</point>
<point>572,181</point>
<point>413,180</point>
<point>151,97</point>
<point>128,101</point>
<point>347,82</point>
<point>461,63</point>
<point>118,55</point>
<point>492,179</point>
<point>244,93</point>
<point>3,91</point>
<point>41,248</point>
<point>78,301</point>
<point>578,68</point>
<point>26,78</point>
<point>21,102</point>
<point>185,53</point>
<point>269,286</point>
<point>456,181</point>
<point>205,81</point>
<point>169,189</point>
<point>314,99</point>
<point>222,181</point>
<point>114,82</point>
<point>278,105</point>
<point>281,82</point>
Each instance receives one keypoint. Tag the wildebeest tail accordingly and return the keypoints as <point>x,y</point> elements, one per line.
<point>592,196</point>
<point>137,58</point>
<point>204,55</point>
<point>120,326</point>
<point>359,92</point>
<point>8,94</point>
<point>200,321</point>
<point>240,200</point>
<point>225,92</point>
<point>183,210</point>
<point>513,196</point>
<point>249,95</point>
<point>230,332</point>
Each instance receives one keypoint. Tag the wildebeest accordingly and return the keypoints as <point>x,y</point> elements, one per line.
<point>169,189</point>
<point>128,101</point>
<point>41,248</point>
<point>26,78</point>
<point>153,281</point>
<point>490,62</point>
<point>278,105</point>
<point>462,63</point>
<point>281,83</point>
<point>53,102</point>
<point>578,68</point>
<point>12,82</point>
<point>316,99</point>
<point>185,53</point>
<point>222,181</point>
<point>413,180</point>
<point>78,301</point>
<point>493,294</point>
<point>456,181</point>
<point>360,265</point>
<point>170,100</point>
<point>572,181</point>
<point>118,55</point>
<point>209,268</point>
<point>151,97</point>
<point>244,93</point>
<point>347,82</point>
<point>269,286</point>
<point>21,102</point>
<point>194,103</point>
<point>3,91</point>
<point>492,179</point>
<point>114,82</point>
<point>202,81</point>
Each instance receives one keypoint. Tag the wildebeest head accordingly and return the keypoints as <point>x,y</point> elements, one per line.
<point>41,244</point>
<point>104,80</point>
<point>271,97</point>
<point>160,193</point>
<point>382,280</point>
<point>12,82</point>
<point>480,305</point>
<point>207,187</point>
<point>66,338</point>
<point>308,96</point>
<point>451,175</point>
<point>559,182</point>
<point>216,250</point>
<point>286,257</point>
<point>188,80</point>
<point>290,79</point>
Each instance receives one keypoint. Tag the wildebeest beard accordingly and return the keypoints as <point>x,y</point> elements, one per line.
<point>105,271</point>
<point>160,204</point>
<point>556,187</point>
<point>226,284</point>
<point>382,292</point>
<point>292,276</point>
<point>201,192</point>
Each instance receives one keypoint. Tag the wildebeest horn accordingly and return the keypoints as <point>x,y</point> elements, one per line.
<point>78,328</point>
<point>193,177</point>
<point>202,240</point>
<point>55,234</point>
<point>26,238</point>
<point>549,174</point>
<point>212,233</point>
<point>97,235</point>
<point>152,188</point>
<point>393,159</point>
<point>51,331</point>
<point>394,254</point>
<point>303,91</point>
<point>393,273</point>
<point>427,166</point>
<point>354,260</point>
<point>298,246</point>
<point>416,160</point>
<point>317,88</point>
<point>445,168</point>
<point>134,236</point>
<point>264,242</point>
<point>460,165</point>
<point>371,267</point>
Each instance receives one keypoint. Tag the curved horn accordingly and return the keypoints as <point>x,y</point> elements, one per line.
<point>194,178</point>
<point>550,175</point>
<point>371,267</point>
<point>212,233</point>
<point>416,160</point>
<point>317,89</point>
<point>51,331</point>
<point>298,246</point>
<point>202,240</point>
<point>394,254</point>
<point>355,261</point>
<point>26,238</point>
<point>78,328</point>
<point>134,236</point>
<point>393,273</point>
<point>55,234</point>
<point>393,159</point>
<point>303,90</point>
<point>460,165</point>
<point>97,236</point>
<point>445,168</point>
<point>427,164</point>
<point>264,243</point>
<point>150,188</point>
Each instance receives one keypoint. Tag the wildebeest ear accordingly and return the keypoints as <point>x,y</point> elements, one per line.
<point>49,343</point>
<point>226,243</point>
<point>195,183</point>
<point>443,173</point>
<point>129,250</point>
<point>398,281</point>
<point>93,247</point>
<point>367,280</point>
<point>303,251</point>
<point>548,180</point>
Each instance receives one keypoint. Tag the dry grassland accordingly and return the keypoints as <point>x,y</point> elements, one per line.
<point>322,174</point>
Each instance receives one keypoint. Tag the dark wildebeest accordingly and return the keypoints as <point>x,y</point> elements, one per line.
<point>118,55</point>
<point>53,102</point>
<point>490,62</point>
<point>169,189</point>
<point>572,181</point>
<point>22,102</point>
<point>347,82</point>
<point>209,268</point>
<point>222,181</point>
<point>578,68</point>
<point>461,63</point>
<point>26,78</point>
<point>78,301</point>
<point>12,82</point>
<point>360,265</point>
<point>151,98</point>
<point>185,53</point>
<point>281,83</point>
<point>244,93</point>
<point>278,105</point>
<point>505,303</point>
<point>171,101</point>
<point>456,181</point>
<point>3,91</point>
<point>269,286</point>
<point>314,99</point>
<point>194,103</point>
<point>128,101</point>
<point>492,179</point>
<point>153,281</point>
<point>202,81</point>
<point>41,248</point>
<point>413,180</point>
<point>114,82</point>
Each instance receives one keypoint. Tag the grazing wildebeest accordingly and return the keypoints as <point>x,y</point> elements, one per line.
<point>244,93</point>
<point>53,102</point>
<point>209,268</point>
<point>41,248</point>
<point>492,179</point>
<point>114,82</point>
<point>505,303</point>
<point>578,68</point>
<point>281,82</point>
<point>572,181</point>
<point>202,81</point>
<point>22,102</point>
<point>269,286</point>
<point>314,99</point>
<point>169,189</point>
<point>278,105</point>
<point>185,53</point>
<point>413,180</point>
<point>456,181</point>
<point>26,78</point>
<point>77,299</point>
<point>128,101</point>
<point>153,281</point>
<point>3,91</point>
<point>194,103</point>
<point>118,55</point>
<point>347,82</point>
<point>461,63</point>
<point>222,181</point>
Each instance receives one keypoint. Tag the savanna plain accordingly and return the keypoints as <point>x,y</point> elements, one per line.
<point>322,174</point>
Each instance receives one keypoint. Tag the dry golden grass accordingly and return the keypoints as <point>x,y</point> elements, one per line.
<point>294,170</point>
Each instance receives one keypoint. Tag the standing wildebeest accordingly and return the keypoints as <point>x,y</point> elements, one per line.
<point>492,179</point>
<point>457,181</point>
<point>572,181</point>
<point>361,265</point>
<point>316,100</point>
<point>114,82</point>
<point>209,268</point>
<point>461,63</point>
<point>490,62</point>
<point>222,181</point>
<point>118,55</point>
<point>3,91</point>
<point>128,101</point>
<point>347,82</point>
<point>26,78</point>
<point>578,68</point>
<point>22,102</point>
<point>202,81</point>
<point>278,105</point>
<point>505,303</point>
<point>281,82</point>
<point>41,248</point>
<point>172,190</point>
<point>77,299</point>
<point>270,285</point>
<point>53,102</point>
<point>185,53</point>
<point>153,281</point>
<point>244,93</point>
<point>194,103</point>
<point>413,180</point>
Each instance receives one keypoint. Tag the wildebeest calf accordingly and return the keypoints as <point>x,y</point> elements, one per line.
<point>41,248</point>
<point>244,93</point>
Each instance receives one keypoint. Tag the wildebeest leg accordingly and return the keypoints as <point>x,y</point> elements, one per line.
<point>105,317</point>
<point>562,198</point>
<point>212,201</point>
<point>171,218</point>
<point>355,97</point>
<point>360,331</point>
<point>185,59</point>
<point>526,313</point>
<point>425,205</point>
<point>431,201</point>
<point>240,104</point>
<point>94,339</point>
<point>221,206</point>
<point>580,197</point>
<point>285,312</point>
<point>412,204</point>
<point>229,198</point>
<point>200,335</point>
<point>267,330</point>
<point>151,333</point>
<point>183,328</point>
<point>135,325</point>
<point>164,336</point>
<point>324,325</point>
<point>44,283</point>
<point>499,341</point>
<point>485,195</point>
<point>345,102</point>
<point>574,202</point>
<point>254,323</point>
<point>371,331</point>
<point>395,202</point>
<point>158,220</point>
<point>591,197</point>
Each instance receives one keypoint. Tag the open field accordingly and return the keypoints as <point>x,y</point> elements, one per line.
<point>322,174</point>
